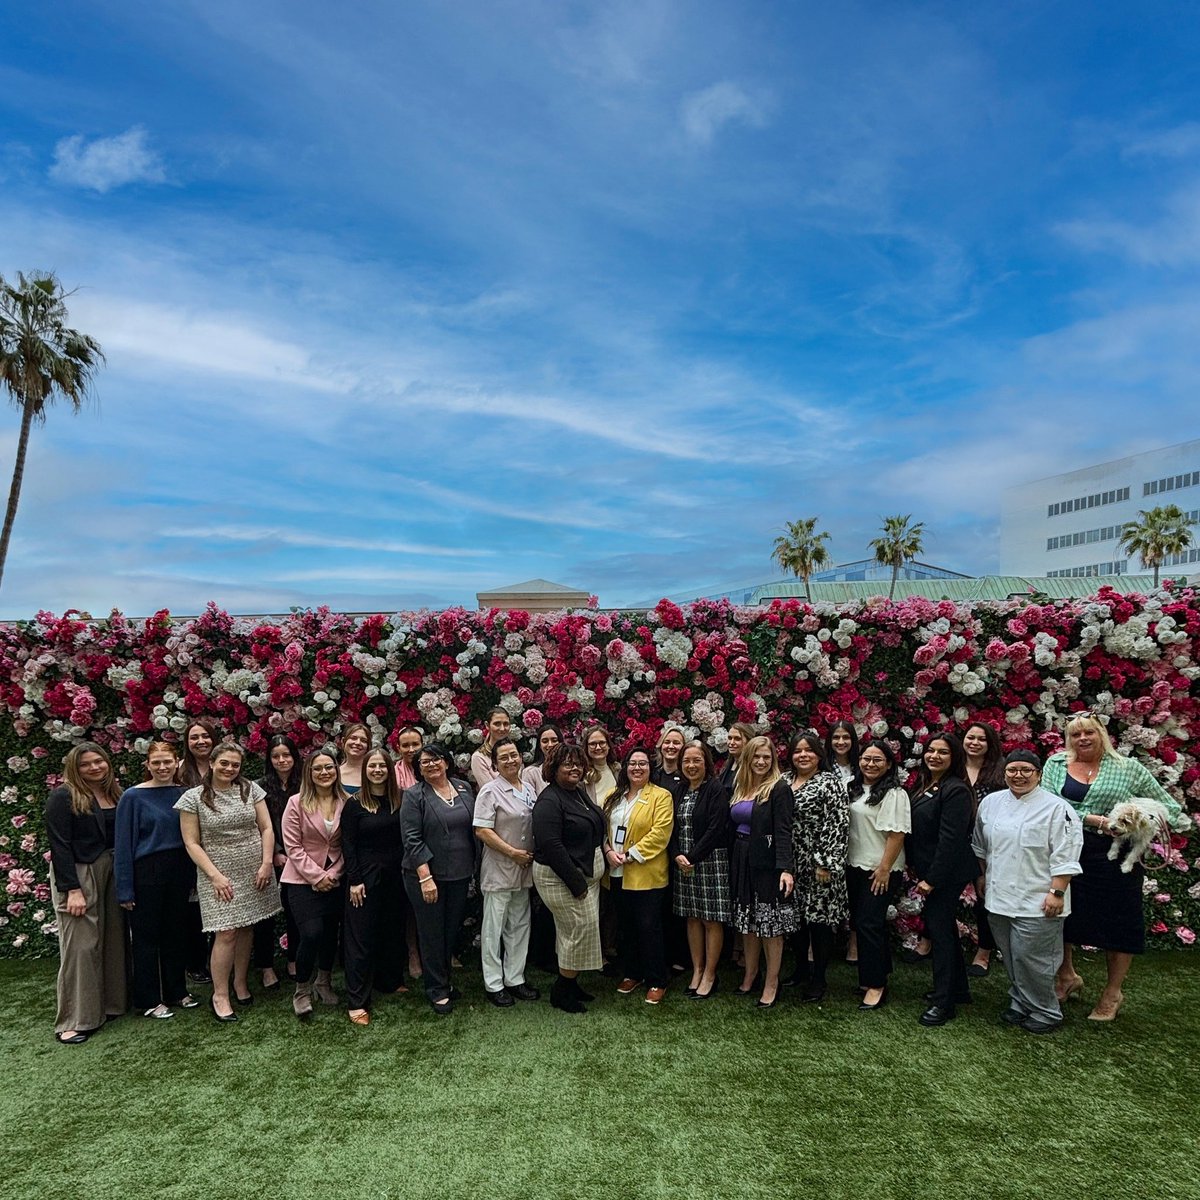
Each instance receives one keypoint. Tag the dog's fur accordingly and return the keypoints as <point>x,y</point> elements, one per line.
<point>1134,825</point>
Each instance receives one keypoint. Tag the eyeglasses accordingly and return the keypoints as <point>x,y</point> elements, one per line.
<point>324,769</point>
<point>1020,771</point>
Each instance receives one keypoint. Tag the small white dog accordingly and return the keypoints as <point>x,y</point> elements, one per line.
<point>1134,825</point>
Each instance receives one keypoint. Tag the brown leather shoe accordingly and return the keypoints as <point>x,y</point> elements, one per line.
<point>360,1016</point>
<point>655,995</point>
<point>628,986</point>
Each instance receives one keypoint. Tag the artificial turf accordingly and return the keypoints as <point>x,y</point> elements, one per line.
<point>706,1099</point>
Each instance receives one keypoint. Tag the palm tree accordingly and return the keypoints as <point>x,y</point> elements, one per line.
<point>801,550</point>
<point>40,357</point>
<point>901,542</point>
<point>1155,534</point>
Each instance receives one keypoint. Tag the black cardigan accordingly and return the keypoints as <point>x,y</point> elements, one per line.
<point>73,838</point>
<point>710,822</point>
<point>372,842</point>
<point>771,830</point>
<point>939,846</point>
<point>567,830</point>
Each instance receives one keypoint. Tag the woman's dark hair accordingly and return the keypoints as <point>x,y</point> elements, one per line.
<point>958,760</point>
<point>558,755</point>
<point>991,771</point>
<point>391,788</point>
<point>884,784</point>
<point>848,726</point>
<point>189,773</point>
<point>538,756</point>
<point>279,793</point>
<point>437,750</point>
<point>812,739</point>
<point>622,785</point>
<point>710,766</point>
<point>504,741</point>
<point>207,790</point>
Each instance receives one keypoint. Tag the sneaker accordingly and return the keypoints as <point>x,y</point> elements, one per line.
<point>655,995</point>
<point>628,986</point>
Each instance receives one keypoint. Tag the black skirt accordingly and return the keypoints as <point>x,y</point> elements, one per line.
<point>1106,903</point>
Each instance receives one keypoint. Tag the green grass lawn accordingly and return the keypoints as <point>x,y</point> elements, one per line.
<point>688,1099</point>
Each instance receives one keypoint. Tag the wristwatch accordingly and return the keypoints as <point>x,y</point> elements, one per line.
<point>1057,892</point>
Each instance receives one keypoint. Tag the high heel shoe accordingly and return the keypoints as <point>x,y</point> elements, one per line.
<point>1106,1013</point>
<point>768,1003</point>
<point>1072,991</point>
<point>227,1018</point>
<point>865,1007</point>
<point>699,995</point>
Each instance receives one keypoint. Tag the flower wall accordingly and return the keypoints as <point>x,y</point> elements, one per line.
<point>899,670</point>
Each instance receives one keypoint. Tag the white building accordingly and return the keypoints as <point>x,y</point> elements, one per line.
<point>1070,524</point>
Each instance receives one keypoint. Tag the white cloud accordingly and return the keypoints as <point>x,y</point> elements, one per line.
<point>1182,141</point>
<point>1171,240</point>
<point>106,163</point>
<point>706,113</point>
<point>290,537</point>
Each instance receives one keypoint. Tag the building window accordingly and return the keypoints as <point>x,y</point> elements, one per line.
<point>1095,500</point>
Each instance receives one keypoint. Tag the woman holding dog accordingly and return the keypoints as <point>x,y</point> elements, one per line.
<point>1028,841</point>
<point>1106,902</point>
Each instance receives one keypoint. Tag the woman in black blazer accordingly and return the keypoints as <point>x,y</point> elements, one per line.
<point>699,851</point>
<point>439,860</point>
<point>940,857</point>
<point>568,864</point>
<point>760,865</point>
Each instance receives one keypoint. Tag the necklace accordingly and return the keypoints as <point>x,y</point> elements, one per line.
<point>448,802</point>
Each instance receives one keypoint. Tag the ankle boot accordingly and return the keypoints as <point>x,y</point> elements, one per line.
<point>302,1001</point>
<point>578,992</point>
<point>562,996</point>
<point>324,989</point>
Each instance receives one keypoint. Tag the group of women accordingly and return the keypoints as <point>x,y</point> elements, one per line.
<point>631,860</point>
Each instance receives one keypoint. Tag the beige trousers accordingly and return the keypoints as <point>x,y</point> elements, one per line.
<point>91,972</point>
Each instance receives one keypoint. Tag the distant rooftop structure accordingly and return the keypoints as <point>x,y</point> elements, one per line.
<point>534,595</point>
<point>863,570</point>
<point>986,587</point>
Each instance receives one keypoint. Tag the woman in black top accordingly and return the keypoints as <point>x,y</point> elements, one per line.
<point>568,864</point>
<point>281,783</point>
<point>81,827</point>
<point>373,845</point>
<point>200,737</point>
<point>939,855</point>
<point>439,860</point>
<point>984,775</point>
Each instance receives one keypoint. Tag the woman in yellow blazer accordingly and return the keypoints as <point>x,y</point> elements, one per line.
<point>638,818</point>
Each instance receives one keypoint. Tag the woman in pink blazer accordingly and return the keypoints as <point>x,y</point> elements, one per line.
<point>312,837</point>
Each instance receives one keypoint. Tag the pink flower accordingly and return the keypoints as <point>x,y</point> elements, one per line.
<point>20,881</point>
<point>532,719</point>
<point>1185,935</point>
<point>19,821</point>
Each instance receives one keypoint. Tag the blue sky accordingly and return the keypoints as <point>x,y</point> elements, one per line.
<point>405,301</point>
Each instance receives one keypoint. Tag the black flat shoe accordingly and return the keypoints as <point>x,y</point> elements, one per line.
<point>226,1019</point>
<point>911,956</point>
<point>1013,1016</point>
<point>936,1016</point>
<point>500,999</point>
<point>243,1001</point>
<point>76,1039</point>
<point>272,987</point>
<point>979,970</point>
<point>864,1007</point>
<point>1032,1026</point>
<point>443,1009</point>
<point>580,994</point>
<point>524,992</point>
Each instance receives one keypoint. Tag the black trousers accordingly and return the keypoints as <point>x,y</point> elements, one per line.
<point>868,917</point>
<point>318,921</point>
<point>437,930</point>
<point>158,925</point>
<point>641,950</point>
<point>986,940</point>
<point>820,937</point>
<point>264,934</point>
<point>198,944</point>
<point>374,947</point>
<point>950,986</point>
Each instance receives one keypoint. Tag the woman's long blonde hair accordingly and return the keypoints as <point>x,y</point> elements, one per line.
<point>309,798</point>
<point>1089,721</point>
<point>82,796</point>
<point>744,787</point>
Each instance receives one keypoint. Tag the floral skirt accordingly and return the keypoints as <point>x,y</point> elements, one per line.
<point>758,905</point>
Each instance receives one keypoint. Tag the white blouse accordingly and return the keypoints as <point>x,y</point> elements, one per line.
<point>870,825</point>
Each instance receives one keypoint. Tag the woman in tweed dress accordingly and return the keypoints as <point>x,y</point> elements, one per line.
<point>1106,903</point>
<point>698,850</point>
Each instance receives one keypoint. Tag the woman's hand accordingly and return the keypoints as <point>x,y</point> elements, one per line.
<point>76,902</point>
<point>880,878</point>
<point>280,861</point>
<point>823,876</point>
<point>222,886</point>
<point>127,905</point>
<point>325,885</point>
<point>924,887</point>
<point>684,864</point>
<point>429,892</point>
<point>358,893</point>
<point>522,858</point>
<point>786,883</point>
<point>615,858</point>
<point>263,876</point>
